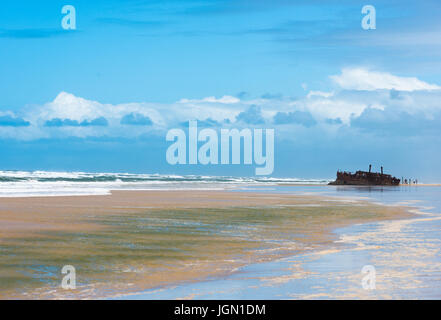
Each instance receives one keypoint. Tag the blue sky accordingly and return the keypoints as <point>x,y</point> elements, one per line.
<point>101,97</point>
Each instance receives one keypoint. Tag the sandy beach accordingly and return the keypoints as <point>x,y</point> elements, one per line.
<point>131,241</point>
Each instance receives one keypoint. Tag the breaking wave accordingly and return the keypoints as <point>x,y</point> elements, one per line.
<point>46,183</point>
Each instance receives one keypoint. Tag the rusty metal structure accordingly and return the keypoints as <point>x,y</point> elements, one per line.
<point>365,178</point>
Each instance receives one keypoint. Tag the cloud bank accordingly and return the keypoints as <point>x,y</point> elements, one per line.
<point>365,79</point>
<point>362,100</point>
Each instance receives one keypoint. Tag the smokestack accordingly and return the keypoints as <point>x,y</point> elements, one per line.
<point>370,167</point>
<point>381,169</point>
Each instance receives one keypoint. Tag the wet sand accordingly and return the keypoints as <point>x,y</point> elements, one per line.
<point>405,254</point>
<point>131,241</point>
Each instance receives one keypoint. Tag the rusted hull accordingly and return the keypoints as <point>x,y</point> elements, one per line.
<point>363,178</point>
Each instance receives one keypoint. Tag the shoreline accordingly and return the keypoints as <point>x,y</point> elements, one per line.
<point>358,186</point>
<point>213,187</point>
<point>263,227</point>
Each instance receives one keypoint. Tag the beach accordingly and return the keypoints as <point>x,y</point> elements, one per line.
<point>130,241</point>
<point>404,254</point>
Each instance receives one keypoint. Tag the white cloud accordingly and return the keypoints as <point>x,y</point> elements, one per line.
<point>212,99</point>
<point>69,106</point>
<point>335,108</point>
<point>341,105</point>
<point>364,79</point>
<point>319,94</point>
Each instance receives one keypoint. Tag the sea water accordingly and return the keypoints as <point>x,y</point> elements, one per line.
<point>405,254</point>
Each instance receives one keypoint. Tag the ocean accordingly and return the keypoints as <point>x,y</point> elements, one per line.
<point>46,183</point>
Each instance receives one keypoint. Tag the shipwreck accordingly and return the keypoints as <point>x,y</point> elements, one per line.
<point>365,178</point>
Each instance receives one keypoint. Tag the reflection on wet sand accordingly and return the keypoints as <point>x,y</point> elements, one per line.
<point>135,240</point>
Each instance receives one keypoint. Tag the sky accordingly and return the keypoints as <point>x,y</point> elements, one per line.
<point>103,96</point>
